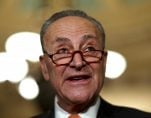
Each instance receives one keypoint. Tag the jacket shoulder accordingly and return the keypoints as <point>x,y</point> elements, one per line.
<point>113,111</point>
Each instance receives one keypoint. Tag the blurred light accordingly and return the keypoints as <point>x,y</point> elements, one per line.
<point>116,65</point>
<point>28,88</point>
<point>2,68</point>
<point>11,68</point>
<point>25,45</point>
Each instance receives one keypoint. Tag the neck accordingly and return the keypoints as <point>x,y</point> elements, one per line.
<point>71,107</point>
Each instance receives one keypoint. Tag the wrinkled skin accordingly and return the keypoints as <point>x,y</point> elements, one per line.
<point>73,33</point>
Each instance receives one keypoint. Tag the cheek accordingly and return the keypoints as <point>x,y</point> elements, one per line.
<point>56,74</point>
<point>97,70</point>
<point>98,76</point>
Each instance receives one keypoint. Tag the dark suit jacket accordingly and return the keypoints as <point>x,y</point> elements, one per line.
<point>107,110</point>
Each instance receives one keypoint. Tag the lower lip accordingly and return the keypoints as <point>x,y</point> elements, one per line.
<point>78,82</point>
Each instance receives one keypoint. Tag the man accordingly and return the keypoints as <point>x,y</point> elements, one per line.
<point>74,63</point>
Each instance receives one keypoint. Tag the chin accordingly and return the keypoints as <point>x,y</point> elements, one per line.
<point>81,99</point>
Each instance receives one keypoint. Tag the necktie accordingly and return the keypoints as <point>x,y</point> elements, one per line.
<point>74,116</point>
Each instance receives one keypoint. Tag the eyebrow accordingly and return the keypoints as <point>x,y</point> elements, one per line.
<point>88,36</point>
<point>64,40</point>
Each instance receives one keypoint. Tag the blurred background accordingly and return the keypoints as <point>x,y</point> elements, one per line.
<point>128,31</point>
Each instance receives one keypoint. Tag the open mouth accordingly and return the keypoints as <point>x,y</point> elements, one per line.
<point>79,78</point>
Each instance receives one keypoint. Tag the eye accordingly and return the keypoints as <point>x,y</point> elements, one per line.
<point>90,48</point>
<point>62,51</point>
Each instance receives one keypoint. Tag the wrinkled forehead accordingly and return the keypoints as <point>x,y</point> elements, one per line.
<point>70,27</point>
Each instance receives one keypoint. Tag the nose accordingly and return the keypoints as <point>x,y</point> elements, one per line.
<point>77,61</point>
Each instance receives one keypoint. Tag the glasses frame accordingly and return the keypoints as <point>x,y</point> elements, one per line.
<point>72,56</point>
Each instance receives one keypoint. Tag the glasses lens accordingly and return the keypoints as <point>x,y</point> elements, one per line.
<point>88,56</point>
<point>92,56</point>
<point>62,58</point>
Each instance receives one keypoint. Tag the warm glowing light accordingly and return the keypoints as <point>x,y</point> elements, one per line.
<point>12,68</point>
<point>25,45</point>
<point>28,88</point>
<point>2,67</point>
<point>116,65</point>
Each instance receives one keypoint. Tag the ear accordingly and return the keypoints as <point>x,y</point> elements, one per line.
<point>105,61</point>
<point>44,68</point>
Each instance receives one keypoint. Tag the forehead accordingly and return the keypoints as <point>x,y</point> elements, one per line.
<point>71,21</point>
<point>70,27</point>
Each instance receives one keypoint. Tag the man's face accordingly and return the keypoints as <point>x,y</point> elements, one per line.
<point>79,82</point>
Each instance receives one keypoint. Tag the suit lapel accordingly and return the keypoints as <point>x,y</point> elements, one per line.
<point>105,110</point>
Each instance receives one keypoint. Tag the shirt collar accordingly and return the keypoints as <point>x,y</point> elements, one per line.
<point>90,113</point>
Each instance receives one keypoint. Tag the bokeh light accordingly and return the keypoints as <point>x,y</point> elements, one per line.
<point>25,45</point>
<point>12,68</point>
<point>28,88</point>
<point>116,65</point>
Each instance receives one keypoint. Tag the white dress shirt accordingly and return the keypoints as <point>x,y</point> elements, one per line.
<point>90,113</point>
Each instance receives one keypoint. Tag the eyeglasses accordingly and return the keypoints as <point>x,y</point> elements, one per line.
<point>66,58</point>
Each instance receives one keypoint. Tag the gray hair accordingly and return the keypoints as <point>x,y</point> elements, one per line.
<point>66,13</point>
